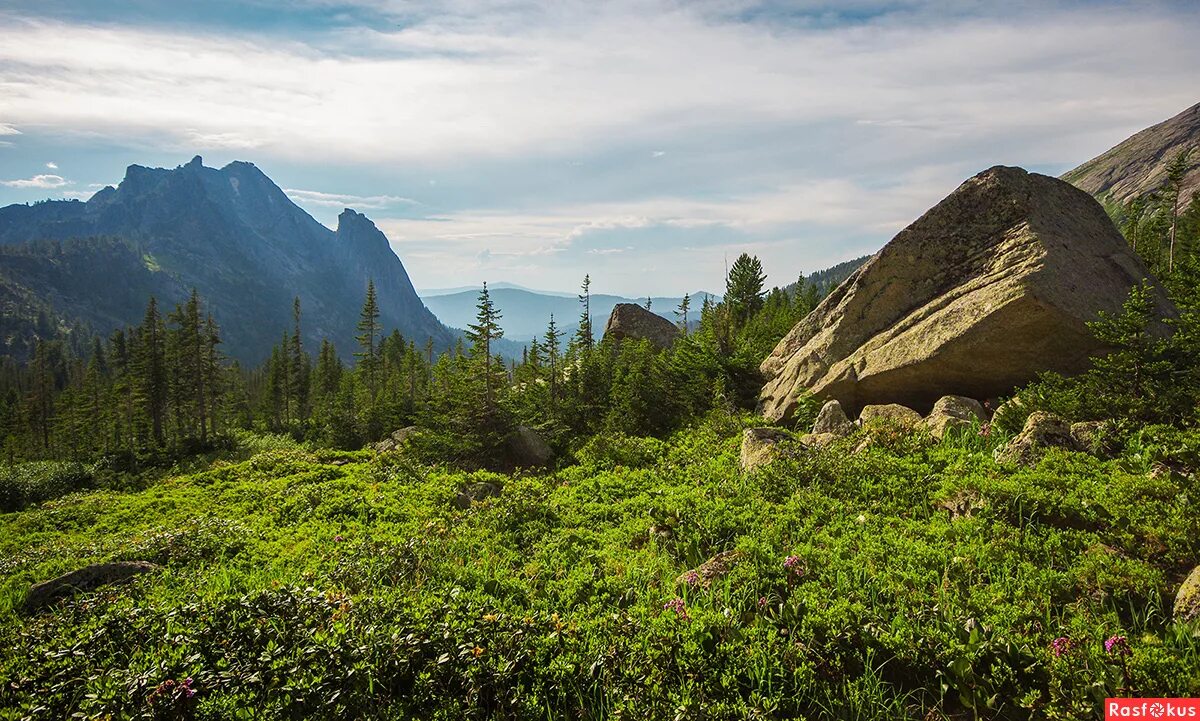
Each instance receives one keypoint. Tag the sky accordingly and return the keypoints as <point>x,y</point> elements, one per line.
<point>644,142</point>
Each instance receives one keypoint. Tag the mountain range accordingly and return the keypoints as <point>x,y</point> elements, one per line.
<point>231,233</point>
<point>70,268</point>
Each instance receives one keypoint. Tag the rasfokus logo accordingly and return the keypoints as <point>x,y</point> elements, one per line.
<point>1151,708</point>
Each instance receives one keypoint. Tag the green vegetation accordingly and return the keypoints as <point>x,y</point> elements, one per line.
<point>316,584</point>
<point>884,576</point>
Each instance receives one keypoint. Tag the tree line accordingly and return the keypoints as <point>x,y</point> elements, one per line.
<point>162,389</point>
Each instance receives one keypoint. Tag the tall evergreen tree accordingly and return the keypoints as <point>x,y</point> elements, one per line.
<point>152,388</point>
<point>584,337</point>
<point>744,288</point>
<point>368,328</point>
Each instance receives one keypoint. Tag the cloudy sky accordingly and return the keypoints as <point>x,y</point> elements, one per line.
<point>644,141</point>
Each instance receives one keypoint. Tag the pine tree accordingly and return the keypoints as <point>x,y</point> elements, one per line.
<point>301,366</point>
<point>552,340</point>
<point>368,327</point>
<point>482,333</point>
<point>682,313</point>
<point>152,387</point>
<point>1172,197</point>
<point>584,338</point>
<point>744,288</point>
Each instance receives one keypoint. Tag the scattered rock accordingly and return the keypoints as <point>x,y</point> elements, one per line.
<point>630,320</point>
<point>1187,601</point>
<point>761,445</point>
<point>85,579</point>
<point>1042,430</point>
<point>397,439</point>
<point>1089,434</point>
<point>818,440</point>
<point>962,504</point>
<point>889,413</point>
<point>529,448</point>
<point>476,492</point>
<point>989,288</point>
<point>712,569</point>
<point>832,420</point>
<point>953,412</point>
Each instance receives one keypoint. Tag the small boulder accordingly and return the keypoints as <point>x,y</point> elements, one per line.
<point>889,413</point>
<point>1187,601</point>
<point>529,448</point>
<point>396,440</point>
<point>85,579</point>
<point>761,446</point>
<point>953,412</point>
<point>832,419</point>
<point>1089,435</point>
<point>818,440</point>
<point>709,571</point>
<point>1042,430</point>
<point>630,320</point>
<point>474,493</point>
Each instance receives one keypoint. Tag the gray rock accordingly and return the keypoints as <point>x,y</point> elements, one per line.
<point>1042,430</point>
<point>1187,600</point>
<point>476,492</point>
<point>992,286</point>
<point>889,413</point>
<point>629,320</point>
<point>397,439</point>
<point>1089,434</point>
<point>832,419</point>
<point>761,446</point>
<point>85,579</point>
<point>953,412</point>
<point>818,440</point>
<point>529,449</point>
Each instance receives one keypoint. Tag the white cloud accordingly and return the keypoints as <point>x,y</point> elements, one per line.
<point>38,181</point>
<point>8,130</point>
<point>337,200</point>
<point>52,165</point>
<point>498,83</point>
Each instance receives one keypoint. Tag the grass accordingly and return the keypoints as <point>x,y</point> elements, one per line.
<point>294,587</point>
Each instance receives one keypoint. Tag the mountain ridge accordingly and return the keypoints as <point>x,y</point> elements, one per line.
<point>236,237</point>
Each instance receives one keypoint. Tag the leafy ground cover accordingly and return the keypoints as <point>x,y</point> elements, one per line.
<point>912,579</point>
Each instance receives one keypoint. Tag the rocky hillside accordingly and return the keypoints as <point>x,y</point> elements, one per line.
<point>1137,166</point>
<point>231,233</point>
<point>992,286</point>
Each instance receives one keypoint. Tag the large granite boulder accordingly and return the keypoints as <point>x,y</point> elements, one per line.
<point>993,285</point>
<point>630,320</point>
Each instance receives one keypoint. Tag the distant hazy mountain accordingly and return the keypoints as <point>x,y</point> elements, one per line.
<point>1137,165</point>
<point>526,312</point>
<point>231,233</point>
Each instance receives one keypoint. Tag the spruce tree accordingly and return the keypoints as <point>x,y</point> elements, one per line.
<point>152,386</point>
<point>368,328</point>
<point>744,288</point>
<point>584,337</point>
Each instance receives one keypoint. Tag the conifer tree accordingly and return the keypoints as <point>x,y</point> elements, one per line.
<point>682,313</point>
<point>368,327</point>
<point>152,389</point>
<point>744,288</point>
<point>584,337</point>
